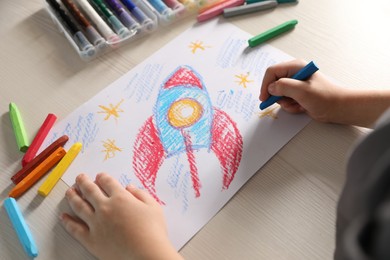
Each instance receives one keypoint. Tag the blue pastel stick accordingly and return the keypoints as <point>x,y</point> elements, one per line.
<point>302,74</point>
<point>20,226</point>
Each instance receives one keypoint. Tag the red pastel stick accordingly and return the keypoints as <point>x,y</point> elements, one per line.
<point>39,138</point>
<point>38,159</point>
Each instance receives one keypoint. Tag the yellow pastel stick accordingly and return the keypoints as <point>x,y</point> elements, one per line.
<point>59,170</point>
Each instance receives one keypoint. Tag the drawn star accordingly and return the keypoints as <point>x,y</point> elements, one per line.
<point>110,149</point>
<point>111,110</point>
<point>243,79</point>
<point>197,45</point>
<point>268,112</point>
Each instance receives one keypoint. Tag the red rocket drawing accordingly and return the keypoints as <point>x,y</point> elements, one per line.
<point>185,121</point>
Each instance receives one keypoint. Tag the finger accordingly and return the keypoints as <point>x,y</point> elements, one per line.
<point>140,194</point>
<point>108,184</point>
<point>80,207</point>
<point>76,228</point>
<point>291,88</point>
<point>90,191</point>
<point>275,72</point>
<point>291,106</point>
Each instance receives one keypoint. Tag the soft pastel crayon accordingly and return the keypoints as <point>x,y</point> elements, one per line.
<point>21,228</point>
<point>18,127</point>
<point>39,138</point>
<point>218,9</point>
<point>249,8</point>
<point>37,173</point>
<point>271,33</point>
<point>303,74</point>
<point>20,175</point>
<point>59,170</point>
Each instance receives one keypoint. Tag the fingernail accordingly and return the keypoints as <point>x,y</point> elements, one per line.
<point>70,190</point>
<point>271,88</point>
<point>131,186</point>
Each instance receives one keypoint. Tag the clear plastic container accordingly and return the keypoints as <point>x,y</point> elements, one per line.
<point>110,29</point>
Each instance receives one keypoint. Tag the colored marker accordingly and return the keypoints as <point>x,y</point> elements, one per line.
<point>18,127</point>
<point>21,228</point>
<point>100,24</point>
<point>37,173</point>
<point>161,7</point>
<point>90,31</point>
<point>119,28</point>
<point>244,9</point>
<point>78,37</point>
<point>173,4</point>
<point>124,16</point>
<point>142,18</point>
<point>302,74</point>
<point>29,167</point>
<point>39,138</point>
<point>271,33</point>
<point>59,170</point>
<point>218,9</point>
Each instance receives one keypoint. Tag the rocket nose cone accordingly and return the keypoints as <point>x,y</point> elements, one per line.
<point>183,76</point>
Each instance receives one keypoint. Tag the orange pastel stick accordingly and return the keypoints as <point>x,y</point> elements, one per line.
<point>38,159</point>
<point>37,173</point>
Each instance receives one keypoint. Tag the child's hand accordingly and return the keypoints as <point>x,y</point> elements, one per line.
<point>316,96</point>
<point>117,223</point>
<point>321,99</point>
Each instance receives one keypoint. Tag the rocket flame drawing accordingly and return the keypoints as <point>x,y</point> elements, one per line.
<point>184,121</point>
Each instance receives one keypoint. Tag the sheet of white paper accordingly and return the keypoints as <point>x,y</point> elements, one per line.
<point>184,124</point>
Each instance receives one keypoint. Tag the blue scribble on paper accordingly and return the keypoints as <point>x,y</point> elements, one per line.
<point>141,85</point>
<point>124,179</point>
<point>178,179</point>
<point>234,53</point>
<point>242,103</point>
<point>229,53</point>
<point>84,131</point>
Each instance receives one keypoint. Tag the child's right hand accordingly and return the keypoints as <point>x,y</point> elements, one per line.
<point>316,96</point>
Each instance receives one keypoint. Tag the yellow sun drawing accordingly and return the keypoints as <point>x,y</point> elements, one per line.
<point>268,112</point>
<point>243,79</point>
<point>194,46</point>
<point>110,149</point>
<point>111,110</point>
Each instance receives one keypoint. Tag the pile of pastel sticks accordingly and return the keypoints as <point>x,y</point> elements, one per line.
<point>230,8</point>
<point>53,158</point>
<point>94,27</point>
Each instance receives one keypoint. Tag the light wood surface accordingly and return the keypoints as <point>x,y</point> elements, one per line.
<point>286,211</point>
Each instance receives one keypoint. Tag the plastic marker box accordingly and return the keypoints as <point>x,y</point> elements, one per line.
<point>95,27</point>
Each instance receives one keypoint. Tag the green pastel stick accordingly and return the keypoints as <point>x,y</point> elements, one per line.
<point>18,126</point>
<point>271,33</point>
